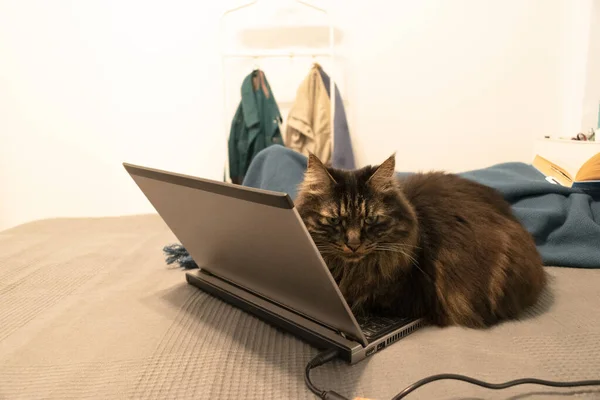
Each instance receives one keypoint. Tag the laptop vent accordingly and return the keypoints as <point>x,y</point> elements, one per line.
<point>402,334</point>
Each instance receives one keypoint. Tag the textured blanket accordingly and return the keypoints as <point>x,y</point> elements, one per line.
<point>564,222</point>
<point>88,310</point>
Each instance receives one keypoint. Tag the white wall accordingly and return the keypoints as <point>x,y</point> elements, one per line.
<point>456,84</point>
<point>87,85</point>
<point>591,100</point>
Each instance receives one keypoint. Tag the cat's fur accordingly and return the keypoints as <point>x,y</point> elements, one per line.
<point>432,244</point>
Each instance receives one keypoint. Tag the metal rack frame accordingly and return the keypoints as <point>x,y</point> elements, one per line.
<point>280,53</point>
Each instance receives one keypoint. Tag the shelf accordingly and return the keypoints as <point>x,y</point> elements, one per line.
<point>569,141</point>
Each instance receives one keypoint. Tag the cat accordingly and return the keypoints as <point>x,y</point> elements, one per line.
<point>432,245</point>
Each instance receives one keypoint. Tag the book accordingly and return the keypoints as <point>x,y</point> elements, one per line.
<point>586,177</point>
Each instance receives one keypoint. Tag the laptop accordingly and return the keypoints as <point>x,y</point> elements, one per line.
<point>254,252</point>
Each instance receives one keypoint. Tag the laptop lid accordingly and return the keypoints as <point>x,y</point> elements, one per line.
<point>252,238</point>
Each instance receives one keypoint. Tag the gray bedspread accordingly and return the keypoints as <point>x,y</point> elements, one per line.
<point>89,310</point>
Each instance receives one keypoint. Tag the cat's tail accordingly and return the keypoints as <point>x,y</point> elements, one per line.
<point>176,253</point>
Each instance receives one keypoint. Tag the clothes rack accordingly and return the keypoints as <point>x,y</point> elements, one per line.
<point>279,53</point>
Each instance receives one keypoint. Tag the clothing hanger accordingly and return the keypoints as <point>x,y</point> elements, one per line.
<point>315,63</point>
<point>256,66</point>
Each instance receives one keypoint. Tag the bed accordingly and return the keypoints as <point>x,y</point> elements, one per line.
<point>90,310</point>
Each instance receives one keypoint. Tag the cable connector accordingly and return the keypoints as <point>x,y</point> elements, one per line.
<point>331,395</point>
<point>320,359</point>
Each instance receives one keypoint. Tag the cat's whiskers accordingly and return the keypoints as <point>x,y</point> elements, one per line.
<point>393,249</point>
<point>400,245</point>
<point>396,250</point>
<point>328,249</point>
<point>324,245</point>
<point>414,262</point>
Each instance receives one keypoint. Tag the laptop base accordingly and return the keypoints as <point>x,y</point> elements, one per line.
<point>305,329</point>
<point>316,335</point>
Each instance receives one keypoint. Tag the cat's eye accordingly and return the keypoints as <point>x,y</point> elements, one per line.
<point>333,220</point>
<point>371,219</point>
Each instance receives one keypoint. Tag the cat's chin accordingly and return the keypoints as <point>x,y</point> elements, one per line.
<point>353,258</point>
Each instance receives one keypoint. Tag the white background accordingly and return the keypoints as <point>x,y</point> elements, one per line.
<point>461,84</point>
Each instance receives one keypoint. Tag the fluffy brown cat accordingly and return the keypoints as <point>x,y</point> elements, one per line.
<point>431,245</point>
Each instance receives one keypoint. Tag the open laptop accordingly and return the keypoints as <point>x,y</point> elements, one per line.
<point>255,253</point>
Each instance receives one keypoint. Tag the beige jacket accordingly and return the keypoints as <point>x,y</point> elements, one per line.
<point>308,127</point>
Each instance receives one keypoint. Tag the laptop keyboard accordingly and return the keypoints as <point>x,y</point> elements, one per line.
<point>374,327</point>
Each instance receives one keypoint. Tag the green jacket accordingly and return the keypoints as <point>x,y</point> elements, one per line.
<point>255,125</point>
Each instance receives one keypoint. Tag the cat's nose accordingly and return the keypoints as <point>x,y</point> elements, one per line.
<point>353,244</point>
<point>353,239</point>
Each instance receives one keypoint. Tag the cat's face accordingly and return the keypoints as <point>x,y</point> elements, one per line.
<point>355,214</point>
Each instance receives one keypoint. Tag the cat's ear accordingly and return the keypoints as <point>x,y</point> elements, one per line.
<point>317,170</point>
<point>383,176</point>
<point>316,177</point>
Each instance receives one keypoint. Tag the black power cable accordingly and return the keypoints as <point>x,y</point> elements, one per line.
<point>321,359</point>
<point>495,386</point>
<point>329,355</point>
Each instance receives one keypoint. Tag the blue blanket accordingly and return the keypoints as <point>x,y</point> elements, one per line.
<point>564,222</point>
